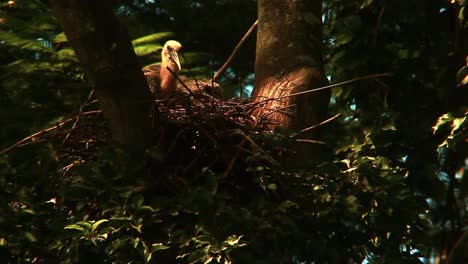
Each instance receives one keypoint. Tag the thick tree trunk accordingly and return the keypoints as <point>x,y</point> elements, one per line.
<point>289,60</point>
<point>107,56</point>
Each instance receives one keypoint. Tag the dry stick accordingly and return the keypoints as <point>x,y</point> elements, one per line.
<point>312,127</point>
<point>319,124</point>
<point>31,142</point>
<point>233,161</point>
<point>241,133</point>
<point>31,137</point>
<point>456,247</point>
<point>325,87</point>
<point>280,110</point>
<point>190,74</point>
<point>185,86</point>
<point>311,141</point>
<point>86,103</point>
<point>228,61</point>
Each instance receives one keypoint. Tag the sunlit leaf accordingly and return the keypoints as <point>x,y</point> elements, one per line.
<point>97,223</point>
<point>147,49</point>
<point>153,38</point>
<point>75,227</point>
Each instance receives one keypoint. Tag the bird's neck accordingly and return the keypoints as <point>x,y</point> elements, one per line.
<point>168,79</point>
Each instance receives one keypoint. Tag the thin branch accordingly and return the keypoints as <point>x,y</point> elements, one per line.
<point>278,110</point>
<point>186,87</point>
<point>183,84</point>
<point>39,133</point>
<point>457,248</point>
<point>376,30</point>
<point>241,42</point>
<point>326,87</point>
<point>255,145</point>
<point>86,103</point>
<point>311,141</point>
<point>319,124</point>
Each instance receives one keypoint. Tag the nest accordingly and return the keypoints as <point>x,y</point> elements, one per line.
<point>193,131</point>
<point>201,109</point>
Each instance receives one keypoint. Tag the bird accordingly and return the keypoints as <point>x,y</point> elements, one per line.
<point>162,78</point>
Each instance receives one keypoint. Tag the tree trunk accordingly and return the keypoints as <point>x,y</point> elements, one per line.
<point>104,49</point>
<point>289,60</point>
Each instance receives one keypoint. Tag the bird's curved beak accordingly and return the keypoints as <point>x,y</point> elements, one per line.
<point>175,58</point>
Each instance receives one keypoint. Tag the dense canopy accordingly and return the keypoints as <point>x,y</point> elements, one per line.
<point>352,148</point>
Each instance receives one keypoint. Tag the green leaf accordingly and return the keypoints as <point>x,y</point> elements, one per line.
<point>84,224</point>
<point>272,187</point>
<point>29,236</point>
<point>441,121</point>
<point>147,208</point>
<point>121,218</point>
<point>67,54</point>
<point>153,38</point>
<point>158,246</point>
<point>149,256</point>
<point>462,75</point>
<point>197,255</point>
<point>233,240</point>
<point>136,242</point>
<point>97,223</point>
<point>61,37</point>
<point>17,41</point>
<point>147,49</point>
<point>366,3</point>
<point>75,227</point>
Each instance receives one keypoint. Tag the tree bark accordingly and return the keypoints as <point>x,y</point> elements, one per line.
<point>289,60</point>
<point>105,52</point>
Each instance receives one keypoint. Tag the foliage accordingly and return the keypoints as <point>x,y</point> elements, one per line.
<point>392,190</point>
<point>422,54</point>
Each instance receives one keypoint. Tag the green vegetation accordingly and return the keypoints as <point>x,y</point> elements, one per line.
<point>390,187</point>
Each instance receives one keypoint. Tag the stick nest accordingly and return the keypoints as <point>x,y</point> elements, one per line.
<point>191,131</point>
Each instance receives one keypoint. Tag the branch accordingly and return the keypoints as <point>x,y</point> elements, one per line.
<point>86,103</point>
<point>23,142</point>
<point>456,253</point>
<point>228,61</point>
<point>319,124</point>
<point>310,141</point>
<point>327,87</point>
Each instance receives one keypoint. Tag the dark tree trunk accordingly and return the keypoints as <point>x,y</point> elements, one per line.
<point>109,61</point>
<point>289,60</point>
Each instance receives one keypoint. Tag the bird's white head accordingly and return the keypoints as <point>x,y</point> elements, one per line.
<point>170,56</point>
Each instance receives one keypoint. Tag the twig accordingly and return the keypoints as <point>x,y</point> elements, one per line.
<point>191,75</point>
<point>228,61</point>
<point>57,126</point>
<point>457,247</point>
<point>280,110</point>
<point>376,29</point>
<point>86,103</point>
<point>326,87</point>
<point>185,86</point>
<point>233,161</point>
<point>31,142</point>
<point>311,141</point>
<point>319,124</point>
<point>255,145</point>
